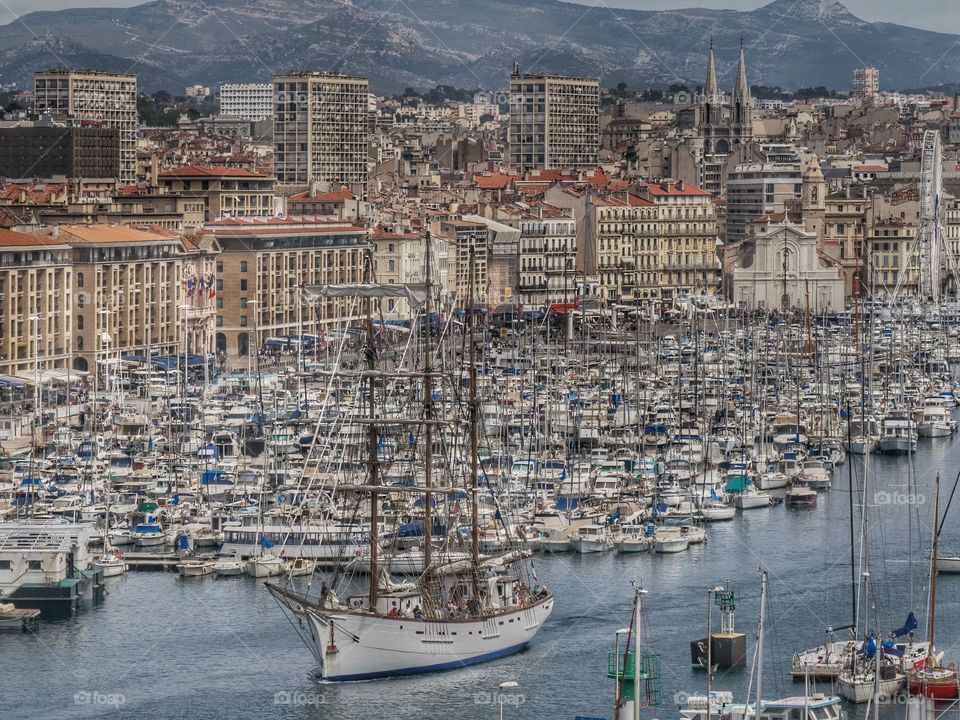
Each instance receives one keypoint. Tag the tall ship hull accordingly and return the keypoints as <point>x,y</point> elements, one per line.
<point>364,646</point>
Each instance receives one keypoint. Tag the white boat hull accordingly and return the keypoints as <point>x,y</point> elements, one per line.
<point>933,430</point>
<point>110,567</point>
<point>363,647</point>
<point>229,568</point>
<point>671,545</point>
<point>264,567</point>
<point>195,569</point>
<point>718,514</point>
<point>861,688</point>
<point>583,545</point>
<point>634,545</point>
<point>773,481</point>
<point>750,502</point>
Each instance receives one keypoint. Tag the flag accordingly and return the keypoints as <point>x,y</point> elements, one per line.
<point>190,287</point>
<point>212,285</point>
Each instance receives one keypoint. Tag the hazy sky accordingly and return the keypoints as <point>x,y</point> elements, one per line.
<point>931,14</point>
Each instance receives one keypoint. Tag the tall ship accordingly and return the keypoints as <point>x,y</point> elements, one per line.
<point>464,607</point>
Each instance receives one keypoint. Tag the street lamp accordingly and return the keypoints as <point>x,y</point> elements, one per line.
<point>508,685</point>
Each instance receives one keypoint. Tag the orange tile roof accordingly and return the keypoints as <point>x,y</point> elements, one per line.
<point>108,234</point>
<point>548,174</point>
<point>870,168</point>
<point>11,238</point>
<point>494,181</point>
<point>219,171</point>
<point>637,201</point>
<point>679,187</point>
<point>532,189</point>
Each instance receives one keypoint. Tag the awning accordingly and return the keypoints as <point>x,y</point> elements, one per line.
<point>415,294</point>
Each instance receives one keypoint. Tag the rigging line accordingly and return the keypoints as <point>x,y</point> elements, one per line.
<point>953,490</point>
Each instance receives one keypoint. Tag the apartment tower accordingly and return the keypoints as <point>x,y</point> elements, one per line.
<point>97,98</point>
<point>554,121</point>
<point>321,129</point>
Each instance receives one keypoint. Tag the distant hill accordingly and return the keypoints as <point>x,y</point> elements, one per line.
<point>472,43</point>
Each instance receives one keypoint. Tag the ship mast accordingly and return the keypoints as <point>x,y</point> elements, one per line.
<point>370,354</point>
<point>933,569</point>
<point>474,470</point>
<point>428,416</point>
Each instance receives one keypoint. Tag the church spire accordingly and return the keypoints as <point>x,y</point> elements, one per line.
<point>710,86</point>
<point>742,103</point>
<point>741,91</point>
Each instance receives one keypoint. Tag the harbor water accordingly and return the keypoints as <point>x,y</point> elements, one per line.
<point>159,646</point>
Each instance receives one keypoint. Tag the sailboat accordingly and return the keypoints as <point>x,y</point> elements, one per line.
<point>454,615</point>
<point>933,680</point>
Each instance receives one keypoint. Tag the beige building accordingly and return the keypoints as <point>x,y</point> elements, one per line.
<point>687,238</point>
<point>548,252</point>
<point>321,129</point>
<point>225,192</point>
<point>554,121</point>
<point>93,96</point>
<point>463,237</point>
<point>127,291</point>
<point>36,300</point>
<point>843,231</point>
<point>263,265</point>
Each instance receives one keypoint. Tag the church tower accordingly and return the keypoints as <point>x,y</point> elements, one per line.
<point>813,199</point>
<point>712,104</point>
<point>741,119</point>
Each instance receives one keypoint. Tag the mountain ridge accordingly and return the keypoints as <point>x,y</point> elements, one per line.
<point>472,43</point>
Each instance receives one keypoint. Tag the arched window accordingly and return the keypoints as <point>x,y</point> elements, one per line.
<point>79,279</point>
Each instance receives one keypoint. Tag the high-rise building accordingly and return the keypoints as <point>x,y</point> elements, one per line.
<point>94,97</point>
<point>758,189</point>
<point>554,121</point>
<point>320,129</point>
<point>37,151</point>
<point>866,82</point>
<point>247,101</point>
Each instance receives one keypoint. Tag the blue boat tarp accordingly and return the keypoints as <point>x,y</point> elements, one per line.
<point>738,483</point>
<point>908,627</point>
<point>567,503</point>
